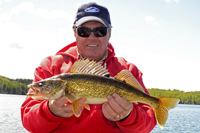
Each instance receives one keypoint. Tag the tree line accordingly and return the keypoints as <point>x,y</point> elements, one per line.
<point>19,86</point>
<point>14,86</point>
<point>185,97</point>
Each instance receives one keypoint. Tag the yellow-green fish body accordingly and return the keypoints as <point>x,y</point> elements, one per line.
<point>96,88</point>
<point>89,79</point>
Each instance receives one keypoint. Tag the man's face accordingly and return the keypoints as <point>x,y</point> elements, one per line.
<point>92,47</point>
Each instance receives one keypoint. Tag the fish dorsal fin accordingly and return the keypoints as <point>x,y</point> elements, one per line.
<point>85,66</point>
<point>126,76</point>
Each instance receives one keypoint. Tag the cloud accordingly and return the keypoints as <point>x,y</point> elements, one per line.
<point>15,46</point>
<point>1,1</point>
<point>4,17</point>
<point>78,5</point>
<point>52,14</point>
<point>169,1</point>
<point>25,6</point>
<point>177,1</point>
<point>152,20</point>
<point>44,13</point>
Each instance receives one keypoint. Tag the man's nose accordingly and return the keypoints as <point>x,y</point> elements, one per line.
<point>92,36</point>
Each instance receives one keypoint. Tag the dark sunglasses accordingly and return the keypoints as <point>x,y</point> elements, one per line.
<point>98,32</point>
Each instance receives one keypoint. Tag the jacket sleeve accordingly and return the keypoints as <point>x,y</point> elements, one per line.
<point>36,116</point>
<point>142,118</point>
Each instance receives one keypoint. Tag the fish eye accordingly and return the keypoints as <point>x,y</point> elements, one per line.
<point>40,84</point>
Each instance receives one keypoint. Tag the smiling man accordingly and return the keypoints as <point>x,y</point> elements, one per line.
<point>92,30</point>
<point>91,46</point>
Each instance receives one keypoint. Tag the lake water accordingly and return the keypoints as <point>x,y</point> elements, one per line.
<point>182,119</point>
<point>10,117</point>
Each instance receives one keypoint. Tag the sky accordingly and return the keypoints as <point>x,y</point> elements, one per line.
<point>161,37</point>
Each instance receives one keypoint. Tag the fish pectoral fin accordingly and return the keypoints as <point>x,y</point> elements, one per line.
<point>70,97</point>
<point>77,107</point>
<point>126,76</point>
<point>133,102</point>
<point>87,106</point>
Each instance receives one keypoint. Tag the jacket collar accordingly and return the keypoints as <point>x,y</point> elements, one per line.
<point>71,50</point>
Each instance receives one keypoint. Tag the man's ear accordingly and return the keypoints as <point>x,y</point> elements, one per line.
<point>74,29</point>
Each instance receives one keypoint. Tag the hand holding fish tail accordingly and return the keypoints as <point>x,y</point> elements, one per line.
<point>116,108</point>
<point>59,108</point>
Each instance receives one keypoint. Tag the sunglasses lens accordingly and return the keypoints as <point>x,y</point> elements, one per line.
<point>98,32</point>
<point>83,32</point>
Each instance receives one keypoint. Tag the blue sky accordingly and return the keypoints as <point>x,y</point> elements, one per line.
<point>161,37</point>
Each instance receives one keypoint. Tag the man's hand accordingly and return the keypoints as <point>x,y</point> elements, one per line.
<point>116,108</point>
<point>59,108</point>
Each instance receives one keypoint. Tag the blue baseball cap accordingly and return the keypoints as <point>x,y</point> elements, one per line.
<point>92,12</point>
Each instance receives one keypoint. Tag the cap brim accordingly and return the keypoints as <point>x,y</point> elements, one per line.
<point>91,18</point>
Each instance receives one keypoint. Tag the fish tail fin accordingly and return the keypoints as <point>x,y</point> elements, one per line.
<point>165,105</point>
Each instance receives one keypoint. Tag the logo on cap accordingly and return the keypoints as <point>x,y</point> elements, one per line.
<point>92,9</point>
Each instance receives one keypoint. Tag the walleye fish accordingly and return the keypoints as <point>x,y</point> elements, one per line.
<point>90,80</point>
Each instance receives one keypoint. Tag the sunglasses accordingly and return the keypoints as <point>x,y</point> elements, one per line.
<point>98,32</point>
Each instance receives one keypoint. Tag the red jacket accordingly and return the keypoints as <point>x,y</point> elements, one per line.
<point>36,116</point>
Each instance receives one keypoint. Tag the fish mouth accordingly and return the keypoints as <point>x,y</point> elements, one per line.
<point>35,89</point>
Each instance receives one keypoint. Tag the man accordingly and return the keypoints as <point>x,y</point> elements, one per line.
<point>92,30</point>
